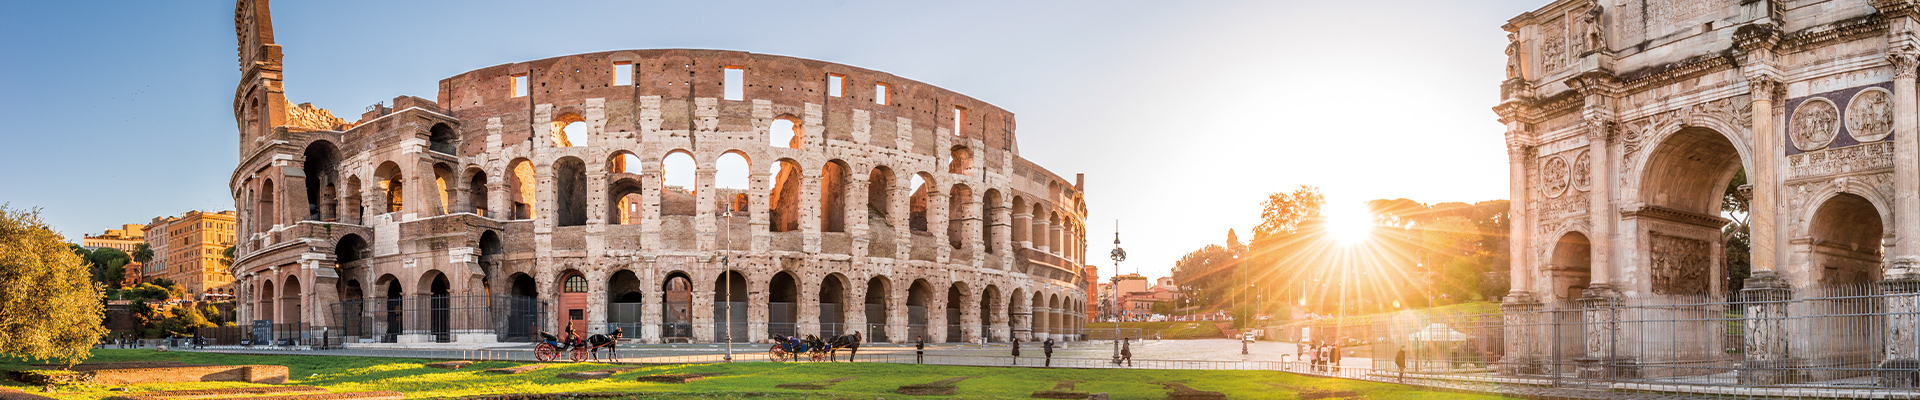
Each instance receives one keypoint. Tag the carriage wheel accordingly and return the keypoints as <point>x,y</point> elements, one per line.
<point>579,354</point>
<point>545,352</point>
<point>777,354</point>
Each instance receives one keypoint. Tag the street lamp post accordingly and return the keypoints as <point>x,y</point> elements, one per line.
<point>726,274</point>
<point>1118,255</point>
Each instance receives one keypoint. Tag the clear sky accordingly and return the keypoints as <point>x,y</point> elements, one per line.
<point>1183,114</point>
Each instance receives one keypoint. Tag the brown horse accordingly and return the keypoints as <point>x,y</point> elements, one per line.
<point>850,341</point>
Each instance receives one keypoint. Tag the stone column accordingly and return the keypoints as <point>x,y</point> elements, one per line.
<point>759,312</point>
<point>704,221</point>
<point>652,306</point>
<point>810,212</point>
<point>1042,233</point>
<point>937,215</point>
<point>856,307</point>
<point>1022,228</point>
<point>704,322</point>
<point>806,306</point>
<point>856,220</point>
<point>897,312</point>
<point>970,319</point>
<point>760,216</point>
<point>499,204</point>
<point>1766,339</point>
<point>936,318</point>
<point>1902,282</point>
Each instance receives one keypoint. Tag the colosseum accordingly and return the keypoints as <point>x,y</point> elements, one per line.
<point>680,195</point>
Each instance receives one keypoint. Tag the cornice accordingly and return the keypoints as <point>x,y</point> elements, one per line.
<point>1842,30</point>
<point>1897,8</point>
<point>1674,215</point>
<point>1663,74</point>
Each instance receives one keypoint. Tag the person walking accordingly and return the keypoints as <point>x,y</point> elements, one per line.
<point>1335,358</point>
<point>1400,360</point>
<point>1126,352</point>
<point>919,349</point>
<point>1047,349</point>
<point>1016,351</point>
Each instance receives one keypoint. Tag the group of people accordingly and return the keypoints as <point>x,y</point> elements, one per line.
<point>1045,347</point>
<point>1323,357</point>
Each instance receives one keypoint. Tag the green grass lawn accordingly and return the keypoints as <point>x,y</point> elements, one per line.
<point>738,380</point>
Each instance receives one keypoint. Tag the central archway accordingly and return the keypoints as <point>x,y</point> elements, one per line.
<point>833,305</point>
<point>782,305</point>
<point>730,308</point>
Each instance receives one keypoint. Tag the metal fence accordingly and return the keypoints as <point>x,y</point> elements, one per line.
<point>439,318</point>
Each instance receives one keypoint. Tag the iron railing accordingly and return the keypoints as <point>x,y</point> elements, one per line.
<point>439,318</point>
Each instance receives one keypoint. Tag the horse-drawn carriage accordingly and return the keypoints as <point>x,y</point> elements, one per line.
<point>577,349</point>
<point>790,348</point>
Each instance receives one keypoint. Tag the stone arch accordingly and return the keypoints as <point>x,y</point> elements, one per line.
<point>733,179</point>
<point>393,184</point>
<point>438,290</point>
<point>922,186</point>
<point>626,299</point>
<point>520,192</point>
<point>1038,314</point>
<point>568,127</point>
<point>476,192</point>
<point>679,184</point>
<point>835,303</point>
<point>989,219</point>
<point>441,138</point>
<point>879,289</point>
<point>625,200</point>
<point>1845,241</point>
<point>958,298</point>
<point>445,184</point>
<point>349,249</point>
<point>571,305</point>
<point>1022,221</point>
<point>350,204</point>
<point>320,163</point>
<point>919,296</point>
<point>265,213</point>
<point>880,192</point>
<point>833,196</point>
<point>1571,266</point>
<point>676,296</point>
<point>730,308</point>
<point>1691,126</point>
<point>990,313</point>
<point>1054,319</point>
<point>784,199</point>
<point>570,191</point>
<point>959,203</point>
<point>1019,318</point>
<point>786,131</point>
<point>783,301</point>
<point>524,314</point>
<point>264,300</point>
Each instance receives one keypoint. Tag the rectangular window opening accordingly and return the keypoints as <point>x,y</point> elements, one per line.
<point>622,74</point>
<point>834,83</point>
<point>959,119</point>
<point>880,93</point>
<point>735,90</point>
<point>519,84</point>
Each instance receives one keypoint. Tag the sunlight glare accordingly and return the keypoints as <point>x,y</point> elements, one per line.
<point>1348,223</point>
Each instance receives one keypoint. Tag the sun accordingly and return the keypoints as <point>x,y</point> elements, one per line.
<point>1348,223</point>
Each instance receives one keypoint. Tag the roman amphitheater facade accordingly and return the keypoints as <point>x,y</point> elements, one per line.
<point>1626,121</point>
<point>534,195</point>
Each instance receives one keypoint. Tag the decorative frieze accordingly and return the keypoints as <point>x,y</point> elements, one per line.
<point>1870,115</point>
<point>1678,264</point>
<point>1553,45</point>
<point>1814,124</point>
<point>1865,157</point>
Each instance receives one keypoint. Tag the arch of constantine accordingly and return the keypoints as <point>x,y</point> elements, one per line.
<point>679,195</point>
<point>1627,120</point>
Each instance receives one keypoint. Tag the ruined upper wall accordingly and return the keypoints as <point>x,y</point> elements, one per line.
<point>678,75</point>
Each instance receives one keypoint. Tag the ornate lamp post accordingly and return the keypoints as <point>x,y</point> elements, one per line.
<point>726,274</point>
<point>1118,256</point>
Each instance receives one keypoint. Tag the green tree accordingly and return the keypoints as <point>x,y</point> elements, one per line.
<point>141,253</point>
<point>52,310</point>
<point>213,313</point>
<point>110,265</point>
<point>1209,273</point>
<point>1736,234</point>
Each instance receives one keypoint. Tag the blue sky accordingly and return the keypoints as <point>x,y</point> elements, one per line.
<point>1183,115</point>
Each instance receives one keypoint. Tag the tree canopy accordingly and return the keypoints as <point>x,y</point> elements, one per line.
<point>52,306</point>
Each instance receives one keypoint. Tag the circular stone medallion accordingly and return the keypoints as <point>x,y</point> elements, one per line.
<point>1870,115</point>
<point>1554,175</point>
<point>1814,124</point>
<point>1583,172</point>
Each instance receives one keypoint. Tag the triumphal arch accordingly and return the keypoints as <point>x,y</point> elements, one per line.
<point>1626,122</point>
<point>675,195</point>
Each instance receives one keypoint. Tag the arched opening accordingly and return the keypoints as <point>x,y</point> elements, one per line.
<point>1019,318</point>
<point>833,301</point>
<point>625,302</point>
<point>477,192</point>
<point>677,196</point>
<point>523,319</point>
<point>321,160</point>
<point>1053,233</point>
<point>1053,318</point>
<point>833,197</point>
<point>1845,248</point>
<point>990,313</point>
<point>784,201</point>
<point>880,231</point>
<point>444,182</point>
<point>1038,313</point>
<point>573,302</point>
<point>567,128</point>
<point>441,139</point>
<point>263,302</point>
<point>918,294</point>
<point>1571,267</point>
<point>1690,174</point>
<point>290,301</point>
<point>786,131</point>
<point>350,210</point>
<point>439,306</point>
<point>393,310</point>
<point>730,307</point>
<point>989,218</point>
<point>922,185</point>
<point>676,295</point>
<point>962,161</point>
<point>731,203</point>
<point>782,304</point>
<point>959,202</point>
<point>956,302</point>
<point>876,308</point>
<point>265,215</point>
<point>570,191</point>
<point>392,183</point>
<point>350,249</point>
<point>490,253</point>
<point>520,178</point>
<point>352,309</point>
<point>623,207</point>
<point>1022,221</point>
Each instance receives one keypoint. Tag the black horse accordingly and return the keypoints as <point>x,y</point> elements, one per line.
<point>850,341</point>
<point>609,341</point>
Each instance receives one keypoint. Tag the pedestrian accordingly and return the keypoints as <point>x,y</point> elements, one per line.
<point>1016,351</point>
<point>919,349</point>
<point>1126,352</point>
<point>1335,359</point>
<point>1047,348</point>
<point>1400,360</point>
